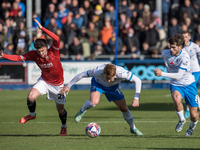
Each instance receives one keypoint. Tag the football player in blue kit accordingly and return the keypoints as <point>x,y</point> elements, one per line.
<point>105,80</point>
<point>194,52</point>
<point>182,83</point>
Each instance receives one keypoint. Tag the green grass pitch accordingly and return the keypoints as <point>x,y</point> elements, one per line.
<point>155,118</point>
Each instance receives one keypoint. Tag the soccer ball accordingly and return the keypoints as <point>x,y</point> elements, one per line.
<point>92,130</point>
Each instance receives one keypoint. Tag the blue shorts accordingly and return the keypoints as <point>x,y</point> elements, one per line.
<point>112,93</point>
<point>188,92</point>
<point>196,76</point>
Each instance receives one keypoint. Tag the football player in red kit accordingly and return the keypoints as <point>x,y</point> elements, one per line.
<point>51,80</point>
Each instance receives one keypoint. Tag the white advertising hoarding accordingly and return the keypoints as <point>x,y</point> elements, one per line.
<point>70,70</point>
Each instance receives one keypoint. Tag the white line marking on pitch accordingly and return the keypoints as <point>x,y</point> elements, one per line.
<point>97,122</point>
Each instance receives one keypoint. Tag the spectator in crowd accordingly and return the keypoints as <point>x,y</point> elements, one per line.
<point>31,46</point>
<point>130,10</point>
<point>98,50</point>
<point>68,4</point>
<point>140,9</point>
<point>9,49</point>
<point>76,49</point>
<point>62,13</point>
<point>135,52</point>
<point>174,27</point>
<point>84,16</point>
<point>98,23</point>
<point>74,8</point>
<point>134,17</point>
<point>154,53</point>
<point>139,29</point>
<point>78,20</point>
<point>197,34</point>
<point>183,17</point>
<point>8,37</point>
<point>49,12</point>
<point>85,41</point>
<point>66,26</point>
<point>93,34</point>
<point>165,11</point>
<point>10,30</point>
<point>190,26</point>
<point>89,9</point>
<point>122,28</point>
<point>131,40</point>
<point>123,50</point>
<point>72,33</point>
<point>22,6</point>
<point>19,18</point>
<point>100,14</point>
<point>63,51</point>
<point>52,26</point>
<point>146,15</point>
<point>123,7</point>
<point>15,9</point>
<point>58,23</point>
<point>105,35</point>
<point>22,43</point>
<point>102,3</point>
<point>111,14</point>
<point>2,37</point>
<point>187,7</point>
<point>17,34</point>
<point>145,49</point>
<point>111,43</point>
<point>152,36</point>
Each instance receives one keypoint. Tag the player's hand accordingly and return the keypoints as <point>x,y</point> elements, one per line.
<point>1,53</point>
<point>157,72</point>
<point>39,25</point>
<point>65,89</point>
<point>135,103</point>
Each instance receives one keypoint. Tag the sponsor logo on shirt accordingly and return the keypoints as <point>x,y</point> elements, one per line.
<point>48,65</point>
<point>171,63</point>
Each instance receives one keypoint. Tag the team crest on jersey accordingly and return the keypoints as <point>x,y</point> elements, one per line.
<point>185,63</point>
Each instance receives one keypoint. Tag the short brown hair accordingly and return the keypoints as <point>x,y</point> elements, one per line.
<point>109,71</point>
<point>39,43</point>
<point>177,39</point>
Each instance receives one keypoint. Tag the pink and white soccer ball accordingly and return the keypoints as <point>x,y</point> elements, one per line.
<point>92,130</point>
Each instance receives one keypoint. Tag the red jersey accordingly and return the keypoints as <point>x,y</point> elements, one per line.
<point>52,71</point>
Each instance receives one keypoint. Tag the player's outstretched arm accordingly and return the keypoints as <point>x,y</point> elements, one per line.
<point>49,33</point>
<point>39,25</point>
<point>1,53</point>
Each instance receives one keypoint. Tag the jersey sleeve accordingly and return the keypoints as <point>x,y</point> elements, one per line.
<point>13,57</point>
<point>132,78</point>
<point>56,39</point>
<point>96,71</point>
<point>27,56</point>
<point>197,50</point>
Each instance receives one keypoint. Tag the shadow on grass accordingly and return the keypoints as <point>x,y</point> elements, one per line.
<point>145,107</point>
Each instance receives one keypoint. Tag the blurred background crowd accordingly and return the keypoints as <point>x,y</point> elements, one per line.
<point>87,27</point>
